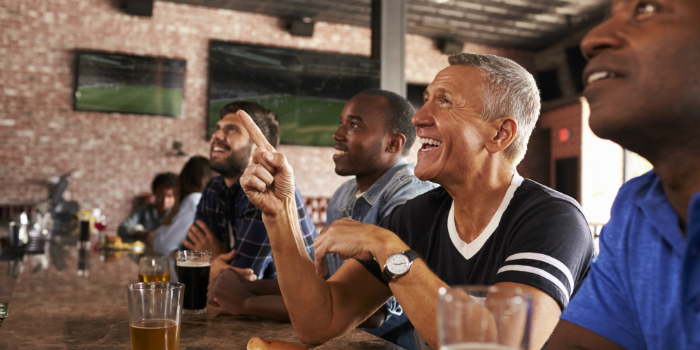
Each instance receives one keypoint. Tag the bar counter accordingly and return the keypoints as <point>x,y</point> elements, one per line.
<point>52,307</point>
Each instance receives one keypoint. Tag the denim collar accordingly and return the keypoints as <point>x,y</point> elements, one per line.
<point>373,193</point>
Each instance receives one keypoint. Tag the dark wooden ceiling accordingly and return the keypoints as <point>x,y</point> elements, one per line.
<point>521,24</point>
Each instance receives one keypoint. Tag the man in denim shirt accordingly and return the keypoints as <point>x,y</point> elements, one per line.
<point>366,126</point>
<point>372,141</point>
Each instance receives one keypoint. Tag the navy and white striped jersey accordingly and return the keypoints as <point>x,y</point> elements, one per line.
<point>538,237</point>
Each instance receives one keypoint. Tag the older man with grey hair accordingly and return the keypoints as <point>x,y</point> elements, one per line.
<point>486,225</point>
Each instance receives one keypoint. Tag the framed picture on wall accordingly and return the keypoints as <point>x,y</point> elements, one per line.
<point>305,89</point>
<point>110,82</point>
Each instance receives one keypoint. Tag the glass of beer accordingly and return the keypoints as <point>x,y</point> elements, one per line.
<point>154,269</point>
<point>193,271</point>
<point>483,317</point>
<point>154,315</point>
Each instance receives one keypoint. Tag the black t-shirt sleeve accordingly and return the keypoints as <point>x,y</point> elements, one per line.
<point>550,249</point>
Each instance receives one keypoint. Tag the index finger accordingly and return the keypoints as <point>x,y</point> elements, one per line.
<point>253,131</point>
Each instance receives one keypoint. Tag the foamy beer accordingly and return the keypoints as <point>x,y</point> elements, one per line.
<point>193,270</point>
<point>154,314</point>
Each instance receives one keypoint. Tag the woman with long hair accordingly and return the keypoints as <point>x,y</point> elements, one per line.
<point>192,180</point>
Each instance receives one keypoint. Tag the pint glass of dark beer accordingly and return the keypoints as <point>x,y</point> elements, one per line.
<point>193,271</point>
<point>154,315</point>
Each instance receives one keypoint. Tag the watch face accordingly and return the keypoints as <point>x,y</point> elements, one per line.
<point>397,264</point>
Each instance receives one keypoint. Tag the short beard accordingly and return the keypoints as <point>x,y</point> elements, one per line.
<point>234,165</point>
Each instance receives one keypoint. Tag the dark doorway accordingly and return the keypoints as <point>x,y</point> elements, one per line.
<point>566,177</point>
<point>548,82</point>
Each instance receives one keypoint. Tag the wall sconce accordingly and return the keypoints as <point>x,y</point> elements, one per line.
<point>177,146</point>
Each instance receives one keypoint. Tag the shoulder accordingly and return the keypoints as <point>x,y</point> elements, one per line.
<point>424,204</point>
<point>192,198</point>
<point>539,211</point>
<point>532,196</point>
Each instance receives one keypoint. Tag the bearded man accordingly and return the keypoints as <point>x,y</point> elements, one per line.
<point>226,223</point>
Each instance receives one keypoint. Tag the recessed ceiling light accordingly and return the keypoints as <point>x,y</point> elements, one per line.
<point>441,1</point>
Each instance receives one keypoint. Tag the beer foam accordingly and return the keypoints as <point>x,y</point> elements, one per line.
<point>193,263</point>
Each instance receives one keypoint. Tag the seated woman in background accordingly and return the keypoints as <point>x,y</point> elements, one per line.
<point>193,177</point>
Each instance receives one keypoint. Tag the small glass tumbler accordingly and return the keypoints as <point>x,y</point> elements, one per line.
<point>154,269</point>
<point>193,270</point>
<point>483,317</point>
<point>155,315</point>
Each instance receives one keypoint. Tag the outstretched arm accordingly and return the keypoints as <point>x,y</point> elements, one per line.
<point>319,310</point>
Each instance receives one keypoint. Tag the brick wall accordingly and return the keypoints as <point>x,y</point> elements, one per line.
<point>117,155</point>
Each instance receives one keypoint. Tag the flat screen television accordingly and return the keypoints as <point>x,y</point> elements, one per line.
<point>109,82</point>
<point>305,89</point>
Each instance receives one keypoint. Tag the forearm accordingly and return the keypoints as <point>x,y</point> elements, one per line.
<point>269,306</point>
<point>264,287</point>
<point>416,291</point>
<point>305,293</point>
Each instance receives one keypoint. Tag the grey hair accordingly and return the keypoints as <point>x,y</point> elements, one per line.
<point>509,90</point>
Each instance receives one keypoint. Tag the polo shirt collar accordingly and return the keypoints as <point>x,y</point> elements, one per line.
<point>377,187</point>
<point>658,210</point>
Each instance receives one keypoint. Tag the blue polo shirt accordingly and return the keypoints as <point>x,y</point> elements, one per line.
<point>643,291</point>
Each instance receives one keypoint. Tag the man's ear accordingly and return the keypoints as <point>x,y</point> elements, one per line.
<point>506,129</point>
<point>396,143</point>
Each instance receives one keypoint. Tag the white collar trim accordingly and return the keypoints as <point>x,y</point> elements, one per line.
<point>468,250</point>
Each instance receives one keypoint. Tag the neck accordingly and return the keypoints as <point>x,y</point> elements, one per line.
<point>680,177</point>
<point>231,180</point>
<point>364,182</point>
<point>477,197</point>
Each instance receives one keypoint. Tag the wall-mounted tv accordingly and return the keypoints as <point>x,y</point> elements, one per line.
<point>109,82</point>
<point>305,89</point>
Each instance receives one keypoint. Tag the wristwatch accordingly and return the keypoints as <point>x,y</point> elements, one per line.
<point>398,264</point>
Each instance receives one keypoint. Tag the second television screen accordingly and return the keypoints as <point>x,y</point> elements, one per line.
<point>305,89</point>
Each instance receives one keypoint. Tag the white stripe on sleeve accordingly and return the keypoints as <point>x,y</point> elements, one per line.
<point>539,272</point>
<point>549,260</point>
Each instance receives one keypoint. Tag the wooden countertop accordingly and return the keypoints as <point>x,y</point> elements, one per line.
<point>51,307</point>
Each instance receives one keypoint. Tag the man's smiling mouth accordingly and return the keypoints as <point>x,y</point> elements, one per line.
<point>429,144</point>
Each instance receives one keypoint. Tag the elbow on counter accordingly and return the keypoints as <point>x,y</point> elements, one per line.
<point>314,337</point>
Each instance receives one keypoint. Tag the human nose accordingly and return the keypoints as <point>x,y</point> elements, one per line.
<point>603,37</point>
<point>218,135</point>
<point>339,135</point>
<point>423,118</point>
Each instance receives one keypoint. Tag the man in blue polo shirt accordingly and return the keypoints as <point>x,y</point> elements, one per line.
<point>643,86</point>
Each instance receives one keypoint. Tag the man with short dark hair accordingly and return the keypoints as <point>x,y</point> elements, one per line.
<point>486,224</point>
<point>373,138</point>
<point>226,223</point>
<point>149,216</point>
<point>642,84</point>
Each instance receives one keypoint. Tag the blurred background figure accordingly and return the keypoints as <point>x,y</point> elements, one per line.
<point>193,177</point>
<point>149,216</point>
